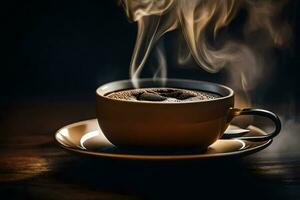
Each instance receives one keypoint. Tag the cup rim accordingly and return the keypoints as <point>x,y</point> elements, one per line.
<point>100,91</point>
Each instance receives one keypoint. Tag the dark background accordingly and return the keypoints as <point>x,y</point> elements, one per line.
<point>66,49</point>
<point>54,56</point>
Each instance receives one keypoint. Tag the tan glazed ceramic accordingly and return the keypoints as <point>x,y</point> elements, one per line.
<point>86,138</point>
<point>195,124</point>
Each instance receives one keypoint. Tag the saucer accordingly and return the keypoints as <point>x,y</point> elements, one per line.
<point>86,137</point>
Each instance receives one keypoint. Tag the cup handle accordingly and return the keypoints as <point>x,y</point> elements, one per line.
<point>260,112</point>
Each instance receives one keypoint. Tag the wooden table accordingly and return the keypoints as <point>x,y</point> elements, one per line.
<point>32,166</point>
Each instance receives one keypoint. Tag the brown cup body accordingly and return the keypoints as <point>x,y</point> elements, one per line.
<point>157,124</point>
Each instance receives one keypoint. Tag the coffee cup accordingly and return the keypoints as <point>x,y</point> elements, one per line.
<point>159,124</point>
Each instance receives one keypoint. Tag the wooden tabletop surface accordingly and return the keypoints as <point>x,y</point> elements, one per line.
<point>32,166</point>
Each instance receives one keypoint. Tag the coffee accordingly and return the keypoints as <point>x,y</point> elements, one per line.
<point>163,95</point>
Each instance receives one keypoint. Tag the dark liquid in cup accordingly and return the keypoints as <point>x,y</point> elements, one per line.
<point>163,95</point>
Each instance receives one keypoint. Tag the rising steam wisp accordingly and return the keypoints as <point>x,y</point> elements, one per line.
<point>198,20</point>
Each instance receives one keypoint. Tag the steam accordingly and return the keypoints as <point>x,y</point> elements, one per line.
<point>153,20</point>
<point>198,20</point>
<point>161,65</point>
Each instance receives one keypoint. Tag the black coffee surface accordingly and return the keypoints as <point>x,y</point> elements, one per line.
<point>163,95</point>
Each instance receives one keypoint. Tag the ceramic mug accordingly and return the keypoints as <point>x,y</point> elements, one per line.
<point>195,124</point>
